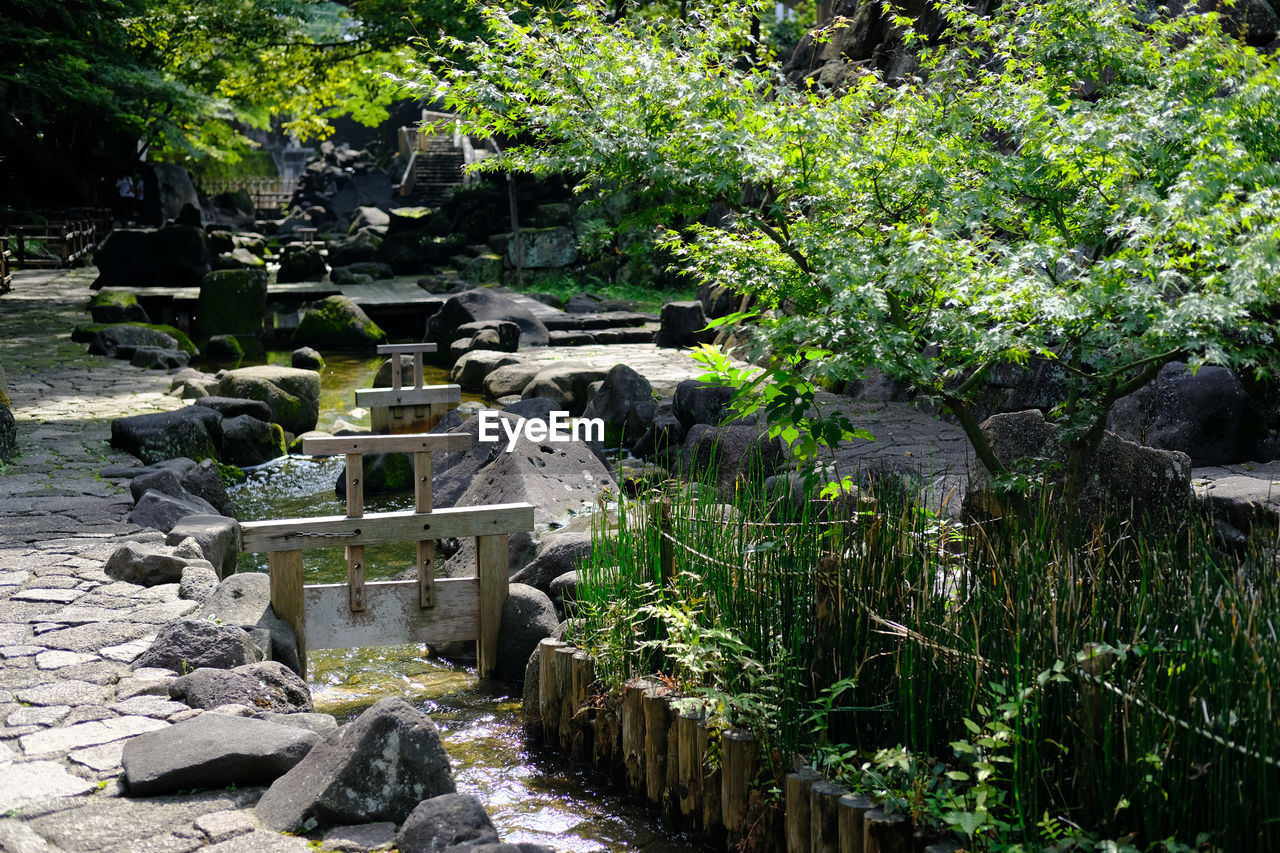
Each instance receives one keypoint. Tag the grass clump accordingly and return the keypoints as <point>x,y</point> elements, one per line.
<point>1022,690</point>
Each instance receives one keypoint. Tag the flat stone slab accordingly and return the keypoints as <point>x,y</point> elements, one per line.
<point>28,782</point>
<point>59,659</point>
<point>54,741</point>
<point>102,758</point>
<point>71,692</point>
<point>57,596</point>
<point>360,838</point>
<point>220,826</point>
<point>261,841</point>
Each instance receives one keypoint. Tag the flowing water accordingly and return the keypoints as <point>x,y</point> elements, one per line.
<point>529,797</point>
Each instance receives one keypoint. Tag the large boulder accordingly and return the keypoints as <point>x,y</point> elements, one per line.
<point>682,324</point>
<point>212,751</point>
<point>244,600</point>
<point>1207,415</point>
<point>218,537</point>
<point>359,247</point>
<point>174,256</point>
<point>301,263</point>
<point>145,564</point>
<point>567,384</point>
<point>731,454</point>
<point>368,217</point>
<point>192,431</point>
<point>544,248</point>
<point>449,823</point>
<point>247,441</point>
<point>528,617</point>
<point>624,401</point>
<point>336,322</point>
<point>268,686</point>
<point>377,768</point>
<point>481,304</point>
<point>184,645</point>
<point>471,370</point>
<point>116,306</point>
<point>169,192</point>
<point>159,511</point>
<point>1142,484</point>
<point>292,394</point>
<point>231,407</point>
<point>698,402</point>
<point>122,340</point>
<point>510,379</point>
<point>560,553</point>
<point>232,302</point>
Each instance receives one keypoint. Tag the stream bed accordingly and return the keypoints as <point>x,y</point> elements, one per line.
<point>528,796</point>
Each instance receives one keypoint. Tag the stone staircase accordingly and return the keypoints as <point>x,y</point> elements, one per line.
<point>436,168</point>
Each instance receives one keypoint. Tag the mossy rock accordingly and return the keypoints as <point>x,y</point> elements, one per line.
<point>232,302</point>
<point>115,306</point>
<point>384,474</point>
<point>337,323</point>
<point>224,348</point>
<point>4,389</point>
<point>85,333</point>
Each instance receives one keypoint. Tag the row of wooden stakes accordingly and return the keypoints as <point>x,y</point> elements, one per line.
<point>643,742</point>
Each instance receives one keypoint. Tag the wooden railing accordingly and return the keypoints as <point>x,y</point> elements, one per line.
<point>363,613</point>
<point>64,242</point>
<point>6,274</point>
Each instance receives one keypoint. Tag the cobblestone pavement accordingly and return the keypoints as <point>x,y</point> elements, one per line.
<point>68,632</point>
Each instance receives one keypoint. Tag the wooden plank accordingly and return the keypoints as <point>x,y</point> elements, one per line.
<point>403,443</point>
<point>355,509</point>
<point>334,530</point>
<point>418,380</point>
<point>426,549</point>
<point>286,596</point>
<point>405,349</point>
<point>424,396</point>
<point>397,379</point>
<point>492,568</point>
<point>392,615</point>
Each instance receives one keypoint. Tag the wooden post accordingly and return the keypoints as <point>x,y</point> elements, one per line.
<point>355,509</point>
<point>285,569</point>
<point>851,811</point>
<point>549,691</point>
<point>657,721</point>
<point>418,379</point>
<point>796,790</point>
<point>690,768</point>
<point>883,833</point>
<point>712,820</point>
<point>824,821</point>
<point>491,566</point>
<point>581,733</point>
<point>397,379</point>
<point>632,720</point>
<point>422,502</point>
<point>738,754</point>
<point>564,684</point>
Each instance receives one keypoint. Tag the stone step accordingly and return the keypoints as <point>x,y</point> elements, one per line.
<point>602,320</point>
<point>613,335</point>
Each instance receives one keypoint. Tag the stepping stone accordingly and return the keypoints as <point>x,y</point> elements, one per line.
<point>53,741</point>
<point>260,841</point>
<point>103,759</point>
<point>37,716</point>
<point>58,596</point>
<point>128,652</point>
<point>219,826</point>
<point>149,706</point>
<point>72,692</point>
<point>360,838</point>
<point>13,578</point>
<point>57,659</point>
<point>21,651</point>
<point>22,784</point>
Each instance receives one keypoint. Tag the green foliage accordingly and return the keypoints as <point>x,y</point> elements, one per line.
<point>1075,182</point>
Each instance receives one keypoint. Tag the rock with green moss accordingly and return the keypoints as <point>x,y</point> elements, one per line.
<point>4,388</point>
<point>248,441</point>
<point>384,474</point>
<point>86,332</point>
<point>117,306</point>
<point>232,302</point>
<point>336,322</point>
<point>193,432</point>
<point>224,348</point>
<point>8,435</point>
<point>292,394</point>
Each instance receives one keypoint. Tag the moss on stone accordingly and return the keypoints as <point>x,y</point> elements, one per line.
<point>337,323</point>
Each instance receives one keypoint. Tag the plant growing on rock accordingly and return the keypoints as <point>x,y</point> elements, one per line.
<point>1077,182</point>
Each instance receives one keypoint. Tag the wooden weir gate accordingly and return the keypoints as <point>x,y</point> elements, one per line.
<point>425,610</point>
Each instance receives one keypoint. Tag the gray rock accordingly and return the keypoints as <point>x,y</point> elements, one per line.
<point>306,358</point>
<point>197,583</point>
<point>192,432</point>
<point>528,617</point>
<point>377,768</point>
<point>244,600</point>
<point>174,256</point>
<point>500,335</point>
<point>122,340</point>
<point>361,246</point>
<point>566,384</point>
<point>485,304</point>
<point>268,685</point>
<point>158,358</point>
<point>448,823</point>
<point>682,324</point>
<point>730,454</point>
<point>144,564</point>
<point>232,302</point>
<point>509,379</point>
<point>212,751</point>
<point>26,783</point>
<point>360,838</point>
<point>544,248</point>
<point>565,588</point>
<point>217,536</point>
<point>530,715</point>
<point>224,348</point>
<point>248,441</point>
<point>336,322</point>
<point>205,481</point>
<point>184,645</point>
<point>162,512</point>
<point>363,217</point>
<point>560,553</point>
<point>233,407</point>
<point>1209,416</point>
<point>301,263</point>
<point>697,402</point>
<point>321,724</point>
<point>472,369</point>
<point>293,395</point>
<point>625,403</point>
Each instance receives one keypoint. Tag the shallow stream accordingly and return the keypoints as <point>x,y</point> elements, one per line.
<point>530,798</point>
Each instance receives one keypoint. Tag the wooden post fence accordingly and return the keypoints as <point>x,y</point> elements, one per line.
<point>380,613</point>
<point>6,273</point>
<point>414,409</point>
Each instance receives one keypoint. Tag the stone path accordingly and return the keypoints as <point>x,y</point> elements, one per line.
<point>68,700</point>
